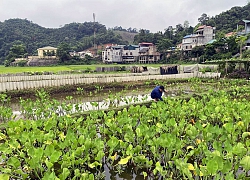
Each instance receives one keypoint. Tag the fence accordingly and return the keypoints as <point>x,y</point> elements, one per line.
<point>196,67</point>
<point>28,82</point>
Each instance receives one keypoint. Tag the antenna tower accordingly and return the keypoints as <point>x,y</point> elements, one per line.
<point>94,31</point>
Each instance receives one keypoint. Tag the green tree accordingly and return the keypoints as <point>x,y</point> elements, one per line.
<point>16,51</point>
<point>143,36</point>
<point>209,51</point>
<point>203,19</point>
<point>63,52</point>
<point>197,51</point>
<point>163,45</point>
<point>241,40</point>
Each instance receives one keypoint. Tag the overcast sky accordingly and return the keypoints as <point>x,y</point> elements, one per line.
<point>155,15</point>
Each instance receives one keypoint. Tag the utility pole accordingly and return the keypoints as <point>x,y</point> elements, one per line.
<point>95,48</point>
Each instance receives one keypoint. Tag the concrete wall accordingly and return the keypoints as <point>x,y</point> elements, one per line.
<point>29,82</point>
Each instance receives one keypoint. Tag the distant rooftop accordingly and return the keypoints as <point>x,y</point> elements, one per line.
<point>242,22</point>
<point>47,47</point>
<point>211,41</point>
<point>189,36</point>
<point>146,43</point>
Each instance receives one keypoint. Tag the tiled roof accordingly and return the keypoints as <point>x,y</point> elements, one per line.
<point>146,43</point>
<point>189,36</point>
<point>201,27</point>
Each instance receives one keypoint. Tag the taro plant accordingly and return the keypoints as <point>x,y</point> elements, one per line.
<point>6,112</point>
<point>203,137</point>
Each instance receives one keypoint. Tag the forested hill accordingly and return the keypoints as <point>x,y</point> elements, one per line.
<point>78,35</point>
<point>227,21</point>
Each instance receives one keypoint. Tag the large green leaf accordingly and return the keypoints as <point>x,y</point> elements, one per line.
<point>64,174</point>
<point>124,160</point>
<point>239,149</point>
<point>4,176</point>
<point>245,162</point>
<point>14,162</point>
<point>55,156</point>
<point>212,167</point>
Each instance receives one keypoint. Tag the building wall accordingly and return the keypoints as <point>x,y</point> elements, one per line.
<point>208,34</point>
<point>130,55</point>
<point>247,28</point>
<point>202,37</point>
<point>40,52</point>
<point>187,43</point>
<point>127,55</point>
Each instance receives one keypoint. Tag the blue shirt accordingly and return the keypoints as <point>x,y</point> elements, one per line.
<point>156,93</point>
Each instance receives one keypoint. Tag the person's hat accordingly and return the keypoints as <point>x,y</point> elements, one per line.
<point>162,87</point>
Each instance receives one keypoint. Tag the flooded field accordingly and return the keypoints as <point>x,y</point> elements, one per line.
<point>86,134</point>
<point>101,100</point>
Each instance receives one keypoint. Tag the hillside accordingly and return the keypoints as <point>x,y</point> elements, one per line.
<point>78,35</point>
<point>227,21</point>
<point>126,36</point>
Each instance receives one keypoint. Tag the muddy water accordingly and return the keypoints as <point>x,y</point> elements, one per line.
<point>101,100</point>
<point>88,103</point>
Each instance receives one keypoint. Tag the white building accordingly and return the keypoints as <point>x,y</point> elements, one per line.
<point>130,53</point>
<point>112,54</point>
<point>142,53</point>
<point>202,36</point>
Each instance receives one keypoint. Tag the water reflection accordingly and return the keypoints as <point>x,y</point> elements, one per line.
<point>91,103</point>
<point>104,100</point>
<point>111,103</point>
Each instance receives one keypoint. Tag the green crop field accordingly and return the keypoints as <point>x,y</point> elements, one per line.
<point>55,69</point>
<point>5,70</point>
<point>204,137</point>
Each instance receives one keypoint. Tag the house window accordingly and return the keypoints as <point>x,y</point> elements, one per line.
<point>108,53</point>
<point>126,53</point>
<point>131,53</point>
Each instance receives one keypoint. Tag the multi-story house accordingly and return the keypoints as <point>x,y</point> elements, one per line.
<point>202,36</point>
<point>47,51</point>
<point>130,53</point>
<point>142,53</point>
<point>148,53</point>
<point>113,54</point>
<point>245,31</point>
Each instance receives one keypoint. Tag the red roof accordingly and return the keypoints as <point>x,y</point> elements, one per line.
<point>230,34</point>
<point>201,27</point>
<point>146,43</point>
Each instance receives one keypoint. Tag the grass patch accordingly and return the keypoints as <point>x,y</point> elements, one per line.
<point>55,69</point>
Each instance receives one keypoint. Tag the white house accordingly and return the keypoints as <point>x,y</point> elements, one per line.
<point>42,52</point>
<point>202,36</point>
<point>142,53</point>
<point>112,54</point>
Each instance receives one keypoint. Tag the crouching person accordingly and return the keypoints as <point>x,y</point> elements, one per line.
<point>157,93</point>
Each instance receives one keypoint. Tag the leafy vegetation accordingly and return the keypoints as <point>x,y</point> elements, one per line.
<point>203,137</point>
